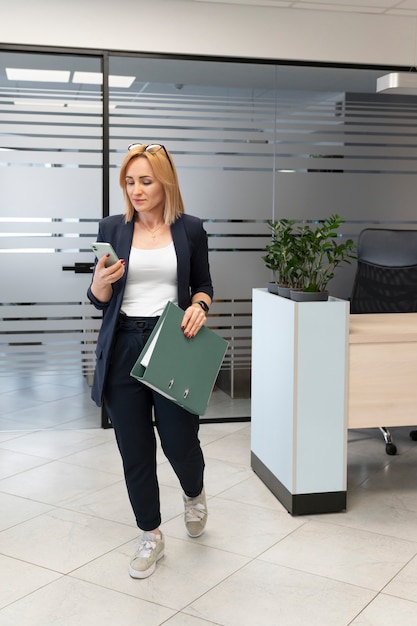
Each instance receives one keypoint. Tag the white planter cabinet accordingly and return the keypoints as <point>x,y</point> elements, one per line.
<point>299,401</point>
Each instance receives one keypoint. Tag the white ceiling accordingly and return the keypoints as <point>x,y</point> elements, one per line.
<point>254,75</point>
<point>377,7</point>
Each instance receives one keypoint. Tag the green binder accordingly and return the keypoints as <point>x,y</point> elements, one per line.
<point>183,370</point>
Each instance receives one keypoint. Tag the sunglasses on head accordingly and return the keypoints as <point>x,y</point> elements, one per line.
<point>151,148</point>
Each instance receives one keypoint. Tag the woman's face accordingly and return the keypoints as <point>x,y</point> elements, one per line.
<point>145,192</point>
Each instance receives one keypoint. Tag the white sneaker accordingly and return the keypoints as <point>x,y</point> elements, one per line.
<point>151,549</point>
<point>195,514</point>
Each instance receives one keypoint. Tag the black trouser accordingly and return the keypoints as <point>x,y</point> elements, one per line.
<point>129,404</point>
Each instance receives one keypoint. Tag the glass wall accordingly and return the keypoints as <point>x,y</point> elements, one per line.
<point>217,120</point>
<point>51,147</point>
<point>251,141</point>
<point>257,141</point>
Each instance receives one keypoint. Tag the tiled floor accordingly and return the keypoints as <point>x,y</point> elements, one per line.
<point>67,531</point>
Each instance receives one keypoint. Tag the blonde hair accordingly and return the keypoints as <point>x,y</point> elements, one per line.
<point>164,171</point>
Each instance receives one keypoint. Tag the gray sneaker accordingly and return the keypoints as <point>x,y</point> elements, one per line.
<point>151,549</point>
<point>195,514</point>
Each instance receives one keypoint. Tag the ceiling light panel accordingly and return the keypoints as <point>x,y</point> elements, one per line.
<point>41,76</point>
<point>96,78</point>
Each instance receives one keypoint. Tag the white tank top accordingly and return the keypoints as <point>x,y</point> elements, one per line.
<point>151,281</point>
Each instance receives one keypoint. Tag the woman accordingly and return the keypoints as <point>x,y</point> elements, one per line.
<point>163,256</point>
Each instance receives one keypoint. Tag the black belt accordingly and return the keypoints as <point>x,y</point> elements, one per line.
<point>144,323</point>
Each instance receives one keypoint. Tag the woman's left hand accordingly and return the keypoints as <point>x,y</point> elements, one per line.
<point>194,318</point>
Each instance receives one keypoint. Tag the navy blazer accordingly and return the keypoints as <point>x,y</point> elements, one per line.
<point>193,275</point>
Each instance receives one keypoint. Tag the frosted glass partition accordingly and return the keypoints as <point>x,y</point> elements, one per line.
<point>51,142</point>
<point>223,143</point>
<point>251,142</point>
<point>277,147</point>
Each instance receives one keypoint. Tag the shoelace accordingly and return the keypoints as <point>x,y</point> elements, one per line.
<point>145,549</point>
<point>194,512</point>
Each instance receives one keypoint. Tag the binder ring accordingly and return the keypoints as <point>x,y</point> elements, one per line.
<point>171,382</point>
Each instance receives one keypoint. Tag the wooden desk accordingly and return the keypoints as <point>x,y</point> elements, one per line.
<point>382,370</point>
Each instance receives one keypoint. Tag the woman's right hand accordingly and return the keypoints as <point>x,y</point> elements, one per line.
<point>104,277</point>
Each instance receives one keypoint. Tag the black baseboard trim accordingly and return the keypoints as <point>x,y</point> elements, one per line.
<point>224,420</point>
<point>106,423</point>
<point>299,504</point>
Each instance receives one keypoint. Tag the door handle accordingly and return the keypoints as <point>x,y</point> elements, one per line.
<point>79,268</point>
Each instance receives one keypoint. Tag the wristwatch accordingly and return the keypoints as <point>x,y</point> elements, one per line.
<point>203,305</point>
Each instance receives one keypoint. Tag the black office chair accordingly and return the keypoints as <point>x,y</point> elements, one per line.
<point>386,281</point>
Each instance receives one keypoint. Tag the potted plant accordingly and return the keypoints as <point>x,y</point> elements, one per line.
<point>280,257</point>
<point>307,255</point>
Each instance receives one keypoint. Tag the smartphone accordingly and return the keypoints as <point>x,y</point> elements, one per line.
<point>100,248</point>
